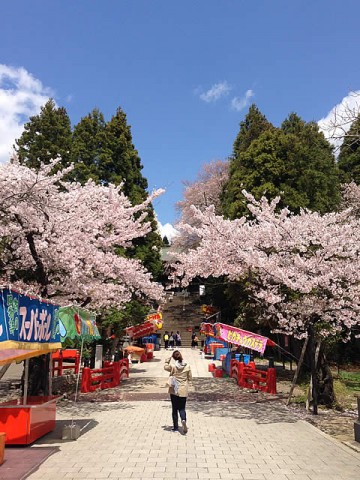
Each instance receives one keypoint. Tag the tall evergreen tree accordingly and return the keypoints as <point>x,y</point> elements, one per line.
<point>87,147</point>
<point>317,173</point>
<point>349,157</point>
<point>45,136</point>
<point>295,162</point>
<point>253,125</point>
<point>105,152</point>
<point>120,161</point>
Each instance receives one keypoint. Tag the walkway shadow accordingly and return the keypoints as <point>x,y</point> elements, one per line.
<point>141,384</point>
<point>56,435</point>
<point>133,371</point>
<point>92,403</point>
<point>223,398</point>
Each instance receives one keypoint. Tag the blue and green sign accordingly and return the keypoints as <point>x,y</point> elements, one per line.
<point>26,322</point>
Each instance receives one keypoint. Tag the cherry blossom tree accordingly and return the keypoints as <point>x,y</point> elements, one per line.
<point>63,241</point>
<point>304,269</point>
<point>206,190</point>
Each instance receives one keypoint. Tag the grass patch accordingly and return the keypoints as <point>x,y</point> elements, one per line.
<point>351,380</point>
<point>347,388</point>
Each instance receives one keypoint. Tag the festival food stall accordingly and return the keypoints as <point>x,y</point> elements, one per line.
<point>135,353</point>
<point>28,328</point>
<point>236,337</point>
<point>152,324</point>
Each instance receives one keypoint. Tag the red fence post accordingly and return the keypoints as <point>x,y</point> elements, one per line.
<point>240,378</point>
<point>77,362</point>
<point>85,380</point>
<point>126,361</point>
<point>252,365</point>
<point>271,381</point>
<point>116,380</point>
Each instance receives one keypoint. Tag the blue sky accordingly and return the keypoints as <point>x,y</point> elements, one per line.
<point>184,71</point>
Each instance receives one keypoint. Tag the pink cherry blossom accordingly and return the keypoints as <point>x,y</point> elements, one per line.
<point>305,269</point>
<point>66,237</point>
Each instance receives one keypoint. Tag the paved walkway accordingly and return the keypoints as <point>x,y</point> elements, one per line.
<point>227,439</point>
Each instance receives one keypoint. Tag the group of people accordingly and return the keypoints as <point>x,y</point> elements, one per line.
<point>172,340</point>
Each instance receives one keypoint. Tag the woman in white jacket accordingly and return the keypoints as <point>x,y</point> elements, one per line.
<point>180,373</point>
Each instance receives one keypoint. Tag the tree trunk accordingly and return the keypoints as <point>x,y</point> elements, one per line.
<point>314,379</point>
<point>326,382</point>
<point>321,390</point>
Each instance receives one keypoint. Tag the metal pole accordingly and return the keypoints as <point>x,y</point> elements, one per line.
<point>78,375</point>
<point>50,373</point>
<point>26,381</point>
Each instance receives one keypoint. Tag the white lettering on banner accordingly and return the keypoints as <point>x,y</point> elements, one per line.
<point>33,324</point>
<point>44,330</point>
<point>38,328</point>
<point>24,326</point>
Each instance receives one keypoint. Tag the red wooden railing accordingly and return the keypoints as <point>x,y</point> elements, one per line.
<point>248,376</point>
<point>61,356</point>
<point>107,377</point>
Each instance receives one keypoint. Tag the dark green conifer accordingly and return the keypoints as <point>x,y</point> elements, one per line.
<point>349,157</point>
<point>46,136</point>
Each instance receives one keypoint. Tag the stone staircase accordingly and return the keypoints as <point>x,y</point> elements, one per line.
<point>182,313</point>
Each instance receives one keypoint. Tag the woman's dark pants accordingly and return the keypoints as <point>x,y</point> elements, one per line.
<point>178,405</point>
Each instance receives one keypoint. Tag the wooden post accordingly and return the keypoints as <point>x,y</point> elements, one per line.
<point>26,381</point>
<point>297,371</point>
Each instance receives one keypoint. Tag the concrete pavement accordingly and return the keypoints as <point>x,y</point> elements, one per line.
<point>253,439</point>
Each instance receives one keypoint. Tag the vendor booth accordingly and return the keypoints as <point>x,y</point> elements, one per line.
<point>28,328</point>
<point>152,324</point>
<point>237,363</point>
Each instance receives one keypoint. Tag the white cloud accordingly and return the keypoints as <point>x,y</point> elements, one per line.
<point>338,121</point>
<point>21,96</point>
<point>239,103</point>
<point>216,92</point>
<point>167,230</point>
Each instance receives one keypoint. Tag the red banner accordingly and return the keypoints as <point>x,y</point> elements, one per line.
<point>142,330</point>
<point>154,316</point>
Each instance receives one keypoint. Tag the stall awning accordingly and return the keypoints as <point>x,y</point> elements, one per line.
<point>151,325</point>
<point>17,355</point>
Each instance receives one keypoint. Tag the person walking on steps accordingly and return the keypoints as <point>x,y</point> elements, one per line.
<point>180,376</point>
<point>171,341</point>
<point>166,339</point>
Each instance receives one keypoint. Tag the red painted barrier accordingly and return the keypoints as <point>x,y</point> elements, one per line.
<point>107,377</point>
<point>61,356</point>
<point>211,367</point>
<point>248,376</point>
